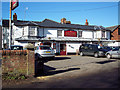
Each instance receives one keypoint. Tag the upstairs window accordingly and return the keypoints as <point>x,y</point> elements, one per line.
<point>31,31</point>
<point>118,31</point>
<point>59,33</point>
<point>79,33</point>
<point>103,34</point>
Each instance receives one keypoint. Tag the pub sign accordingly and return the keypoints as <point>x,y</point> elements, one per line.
<point>70,33</point>
<point>14,4</point>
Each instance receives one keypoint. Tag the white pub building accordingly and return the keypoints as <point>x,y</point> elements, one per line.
<point>63,37</point>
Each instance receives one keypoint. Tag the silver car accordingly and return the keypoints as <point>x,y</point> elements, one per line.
<point>44,51</point>
<point>115,53</point>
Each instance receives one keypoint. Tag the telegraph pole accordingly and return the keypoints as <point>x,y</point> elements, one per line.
<point>10,29</point>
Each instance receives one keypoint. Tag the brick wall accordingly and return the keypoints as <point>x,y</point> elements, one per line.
<point>115,35</point>
<point>18,61</point>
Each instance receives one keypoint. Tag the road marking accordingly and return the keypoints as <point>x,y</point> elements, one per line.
<point>43,77</point>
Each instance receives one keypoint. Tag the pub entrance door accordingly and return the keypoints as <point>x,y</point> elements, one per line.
<point>62,49</point>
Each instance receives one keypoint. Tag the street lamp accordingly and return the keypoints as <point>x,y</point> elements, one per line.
<point>25,12</point>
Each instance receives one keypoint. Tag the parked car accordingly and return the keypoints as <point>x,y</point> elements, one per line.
<point>16,47</point>
<point>114,53</point>
<point>44,51</point>
<point>92,49</point>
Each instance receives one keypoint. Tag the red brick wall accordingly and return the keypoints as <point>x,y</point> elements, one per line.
<point>115,35</point>
<point>18,61</point>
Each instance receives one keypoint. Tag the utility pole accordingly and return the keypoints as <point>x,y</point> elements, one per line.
<point>10,29</point>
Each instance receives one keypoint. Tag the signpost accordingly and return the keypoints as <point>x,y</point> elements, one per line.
<point>13,5</point>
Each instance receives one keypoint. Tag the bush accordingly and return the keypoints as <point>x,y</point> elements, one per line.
<point>11,76</point>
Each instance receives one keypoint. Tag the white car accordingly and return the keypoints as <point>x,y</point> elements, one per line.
<point>44,51</point>
<point>115,53</point>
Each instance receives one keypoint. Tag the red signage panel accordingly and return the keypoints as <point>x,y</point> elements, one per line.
<point>14,4</point>
<point>70,33</point>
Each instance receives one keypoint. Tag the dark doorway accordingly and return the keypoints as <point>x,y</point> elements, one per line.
<point>62,49</point>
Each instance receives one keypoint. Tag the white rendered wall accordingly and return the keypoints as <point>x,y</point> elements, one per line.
<point>25,31</point>
<point>114,44</point>
<point>50,32</point>
<point>20,43</point>
<point>87,34</point>
<point>72,47</point>
<point>98,34</point>
<point>17,32</point>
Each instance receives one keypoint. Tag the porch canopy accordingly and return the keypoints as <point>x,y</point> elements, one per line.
<point>69,39</point>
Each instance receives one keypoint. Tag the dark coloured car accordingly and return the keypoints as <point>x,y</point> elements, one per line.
<point>92,49</point>
<point>16,47</point>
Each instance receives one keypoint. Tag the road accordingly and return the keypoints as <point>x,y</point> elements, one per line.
<point>76,72</point>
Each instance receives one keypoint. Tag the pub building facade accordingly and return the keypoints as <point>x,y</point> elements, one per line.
<point>64,37</point>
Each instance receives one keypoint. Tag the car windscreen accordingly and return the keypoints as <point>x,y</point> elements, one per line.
<point>107,48</point>
<point>45,48</point>
<point>115,49</point>
<point>16,48</point>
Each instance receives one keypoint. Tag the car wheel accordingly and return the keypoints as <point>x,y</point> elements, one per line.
<point>81,54</point>
<point>108,56</point>
<point>96,55</point>
<point>53,58</point>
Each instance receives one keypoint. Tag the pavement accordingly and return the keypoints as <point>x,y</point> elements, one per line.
<point>74,71</point>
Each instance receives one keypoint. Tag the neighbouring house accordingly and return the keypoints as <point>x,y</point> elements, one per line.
<point>63,37</point>
<point>0,37</point>
<point>115,35</point>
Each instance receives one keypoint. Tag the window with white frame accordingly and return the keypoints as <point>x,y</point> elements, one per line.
<point>59,33</point>
<point>79,33</point>
<point>103,34</point>
<point>31,31</point>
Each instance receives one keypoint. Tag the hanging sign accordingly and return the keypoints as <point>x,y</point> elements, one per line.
<point>15,4</point>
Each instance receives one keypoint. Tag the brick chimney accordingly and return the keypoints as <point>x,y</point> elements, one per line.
<point>68,22</point>
<point>15,17</point>
<point>63,20</point>
<point>86,23</point>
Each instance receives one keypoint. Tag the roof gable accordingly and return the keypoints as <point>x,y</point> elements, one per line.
<point>112,28</point>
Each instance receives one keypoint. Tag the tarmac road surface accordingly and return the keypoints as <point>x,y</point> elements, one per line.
<point>75,72</point>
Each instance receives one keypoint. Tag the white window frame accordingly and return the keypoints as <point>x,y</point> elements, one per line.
<point>103,34</point>
<point>32,29</point>
<point>80,33</point>
<point>61,33</point>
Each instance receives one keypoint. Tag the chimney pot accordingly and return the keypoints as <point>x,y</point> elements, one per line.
<point>63,20</point>
<point>86,23</point>
<point>68,22</point>
<point>15,17</point>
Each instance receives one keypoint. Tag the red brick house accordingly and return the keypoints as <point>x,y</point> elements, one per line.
<point>115,32</point>
<point>115,35</point>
